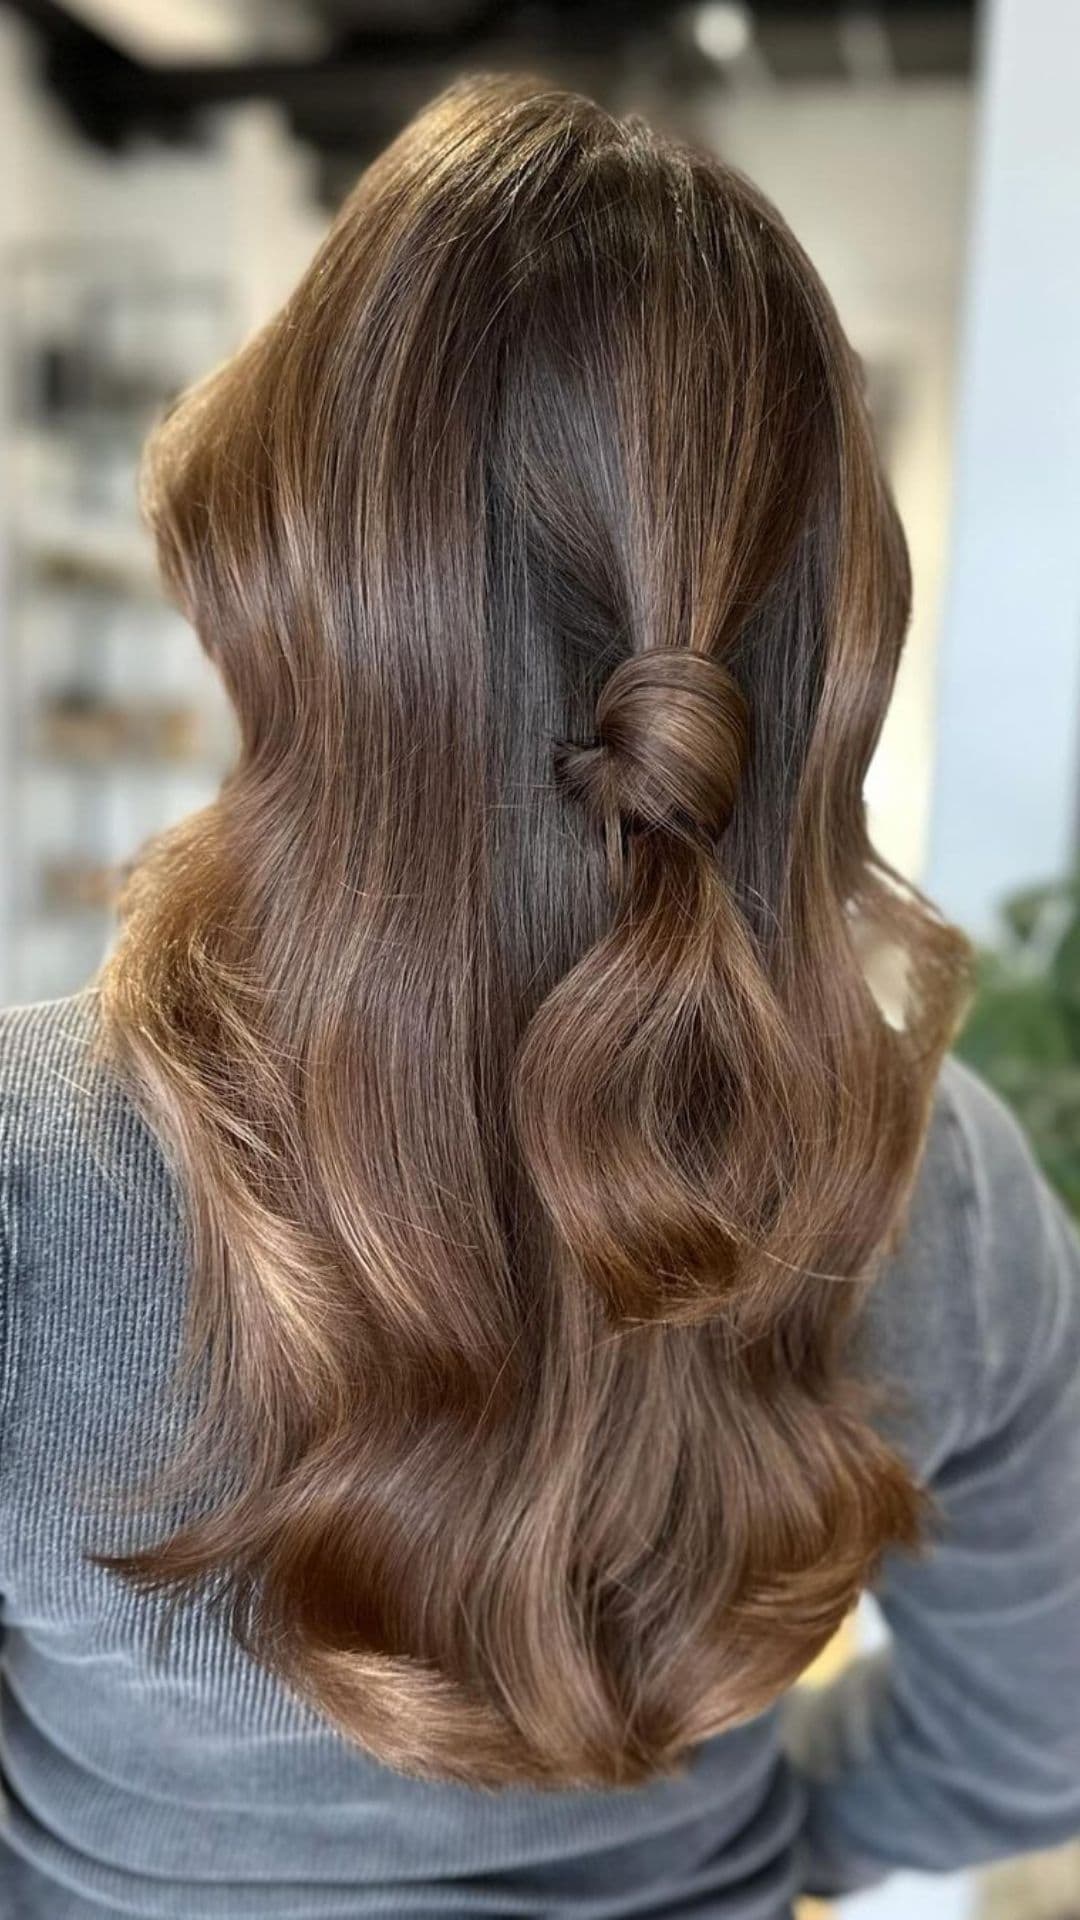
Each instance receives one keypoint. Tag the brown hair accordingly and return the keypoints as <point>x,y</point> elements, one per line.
<point>506,1017</point>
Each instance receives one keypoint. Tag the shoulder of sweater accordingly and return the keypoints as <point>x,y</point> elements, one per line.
<point>43,1034</point>
<point>952,1312</point>
<point>974,1148</point>
<point>66,1120</point>
<point>50,1067</point>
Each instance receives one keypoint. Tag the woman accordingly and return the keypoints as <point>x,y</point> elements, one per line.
<point>590,1284</point>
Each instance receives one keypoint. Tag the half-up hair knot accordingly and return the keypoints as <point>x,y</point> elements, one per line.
<point>672,735</point>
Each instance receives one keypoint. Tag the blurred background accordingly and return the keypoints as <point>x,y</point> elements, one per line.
<point>166,168</point>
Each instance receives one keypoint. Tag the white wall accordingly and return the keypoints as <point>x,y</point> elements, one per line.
<point>1006,805</point>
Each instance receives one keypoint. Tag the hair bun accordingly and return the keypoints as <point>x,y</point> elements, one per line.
<point>672,731</point>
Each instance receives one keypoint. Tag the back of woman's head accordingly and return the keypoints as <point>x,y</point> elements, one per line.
<point>506,1017</point>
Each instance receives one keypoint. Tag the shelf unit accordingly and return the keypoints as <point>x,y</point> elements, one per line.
<point>113,721</point>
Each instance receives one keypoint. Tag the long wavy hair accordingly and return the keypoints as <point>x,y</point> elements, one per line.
<point>507,1018</point>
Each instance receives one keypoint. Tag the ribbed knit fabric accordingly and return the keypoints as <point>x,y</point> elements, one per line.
<point>166,1775</point>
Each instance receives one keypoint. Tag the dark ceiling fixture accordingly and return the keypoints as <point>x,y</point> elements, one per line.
<point>380,61</point>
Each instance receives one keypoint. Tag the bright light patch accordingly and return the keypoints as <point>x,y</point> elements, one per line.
<point>722,30</point>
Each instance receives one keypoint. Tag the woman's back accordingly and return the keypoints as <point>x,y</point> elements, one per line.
<point>167,1774</point>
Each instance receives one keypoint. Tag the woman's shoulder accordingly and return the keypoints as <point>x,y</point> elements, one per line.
<point>981,1187</point>
<point>70,1137</point>
<point>51,1073</point>
<point>42,1037</point>
<point>985,1280</point>
<point>973,1144</point>
<point>977,1138</point>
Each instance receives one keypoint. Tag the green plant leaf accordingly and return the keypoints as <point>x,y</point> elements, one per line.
<point>1023,911</point>
<point>1066,978</point>
<point>1023,1031</point>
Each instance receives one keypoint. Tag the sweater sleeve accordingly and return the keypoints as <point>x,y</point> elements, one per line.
<point>960,1742</point>
<point>6,1354</point>
<point>5,1266</point>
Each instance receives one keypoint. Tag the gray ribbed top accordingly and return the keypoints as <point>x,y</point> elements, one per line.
<point>171,1777</point>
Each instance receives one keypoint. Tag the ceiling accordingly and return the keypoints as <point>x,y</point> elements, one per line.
<point>348,72</point>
